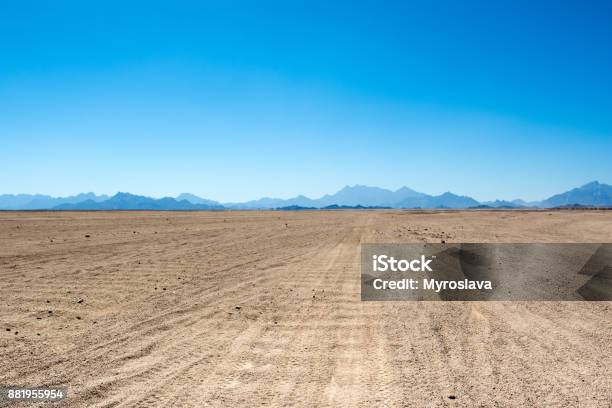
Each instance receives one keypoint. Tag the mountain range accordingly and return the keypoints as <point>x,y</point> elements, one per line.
<point>44,202</point>
<point>126,201</point>
<point>593,194</point>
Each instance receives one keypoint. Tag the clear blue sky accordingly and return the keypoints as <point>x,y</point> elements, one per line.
<point>234,100</point>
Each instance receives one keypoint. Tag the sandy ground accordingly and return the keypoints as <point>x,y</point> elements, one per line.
<point>262,308</point>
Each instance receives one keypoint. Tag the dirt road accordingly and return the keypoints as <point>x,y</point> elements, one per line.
<point>226,309</point>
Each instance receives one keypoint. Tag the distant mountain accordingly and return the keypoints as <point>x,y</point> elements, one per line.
<point>450,200</point>
<point>522,203</point>
<point>349,196</point>
<point>368,196</point>
<point>592,194</point>
<point>446,200</point>
<point>43,202</point>
<point>125,201</point>
<point>193,199</point>
<point>269,203</point>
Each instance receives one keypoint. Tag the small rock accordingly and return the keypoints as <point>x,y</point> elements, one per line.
<point>452,397</point>
<point>78,317</point>
<point>238,308</point>
<point>87,235</point>
<point>80,301</point>
<point>7,329</point>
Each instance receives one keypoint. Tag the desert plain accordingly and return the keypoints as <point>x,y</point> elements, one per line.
<point>233,309</point>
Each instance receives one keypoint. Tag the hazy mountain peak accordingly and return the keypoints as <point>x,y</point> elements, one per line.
<point>194,199</point>
<point>592,184</point>
<point>188,197</point>
<point>591,194</point>
<point>405,189</point>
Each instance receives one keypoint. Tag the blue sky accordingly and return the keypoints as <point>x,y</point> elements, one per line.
<point>237,100</point>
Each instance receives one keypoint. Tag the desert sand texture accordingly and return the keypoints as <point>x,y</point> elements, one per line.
<point>243,309</point>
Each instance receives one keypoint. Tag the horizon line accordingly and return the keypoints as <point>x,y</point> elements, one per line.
<point>206,197</point>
